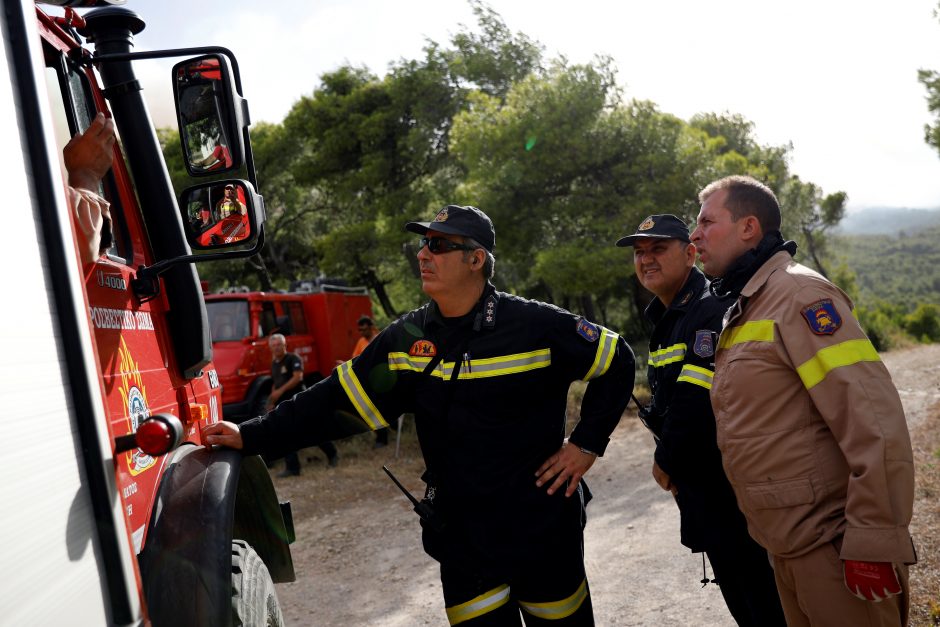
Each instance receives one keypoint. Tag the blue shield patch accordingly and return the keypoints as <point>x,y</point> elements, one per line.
<point>704,345</point>
<point>587,330</point>
<point>822,317</point>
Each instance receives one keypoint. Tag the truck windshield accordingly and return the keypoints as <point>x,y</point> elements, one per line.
<point>228,319</point>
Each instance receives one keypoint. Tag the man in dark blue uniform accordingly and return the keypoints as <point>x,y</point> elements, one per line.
<point>687,319</point>
<point>287,378</point>
<point>486,375</point>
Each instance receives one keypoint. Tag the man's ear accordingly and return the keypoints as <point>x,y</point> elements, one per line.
<point>751,230</point>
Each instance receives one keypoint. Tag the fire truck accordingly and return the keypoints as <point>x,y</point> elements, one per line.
<point>318,321</point>
<point>114,512</point>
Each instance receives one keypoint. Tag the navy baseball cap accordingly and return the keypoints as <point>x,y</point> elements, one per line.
<point>456,220</point>
<point>662,226</point>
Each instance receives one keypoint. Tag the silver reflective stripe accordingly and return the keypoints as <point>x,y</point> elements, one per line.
<point>358,397</point>
<point>475,368</point>
<point>606,348</point>
<point>556,610</point>
<point>404,361</point>
<point>486,602</point>
<point>668,355</point>
<point>696,376</point>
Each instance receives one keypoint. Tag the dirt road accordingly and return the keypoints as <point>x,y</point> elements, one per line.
<point>359,559</point>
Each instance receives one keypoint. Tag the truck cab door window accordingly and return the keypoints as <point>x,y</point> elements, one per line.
<point>72,112</point>
<point>268,319</point>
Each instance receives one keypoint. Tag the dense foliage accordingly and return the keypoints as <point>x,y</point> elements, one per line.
<point>554,152</point>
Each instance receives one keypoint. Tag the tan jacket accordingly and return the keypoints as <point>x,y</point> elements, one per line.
<point>810,426</point>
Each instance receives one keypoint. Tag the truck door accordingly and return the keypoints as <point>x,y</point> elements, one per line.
<point>129,336</point>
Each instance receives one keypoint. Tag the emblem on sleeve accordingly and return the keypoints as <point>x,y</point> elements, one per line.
<point>822,317</point>
<point>423,348</point>
<point>587,330</point>
<point>704,345</point>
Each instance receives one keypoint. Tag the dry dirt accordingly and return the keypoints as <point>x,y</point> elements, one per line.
<point>359,560</point>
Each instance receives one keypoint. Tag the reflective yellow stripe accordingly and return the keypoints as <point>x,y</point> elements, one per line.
<point>606,348</point>
<point>847,353</point>
<point>668,355</point>
<point>486,602</point>
<point>475,368</point>
<point>754,331</point>
<point>358,397</point>
<point>558,609</point>
<point>696,376</point>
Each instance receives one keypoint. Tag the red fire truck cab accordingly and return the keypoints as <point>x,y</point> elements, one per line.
<point>114,511</point>
<point>318,322</point>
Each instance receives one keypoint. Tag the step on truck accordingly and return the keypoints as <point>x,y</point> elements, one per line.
<point>318,321</point>
<point>114,512</point>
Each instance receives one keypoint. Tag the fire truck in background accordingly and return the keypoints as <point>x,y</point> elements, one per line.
<point>114,512</point>
<point>317,319</point>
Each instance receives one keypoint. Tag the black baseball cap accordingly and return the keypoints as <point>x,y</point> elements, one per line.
<point>457,220</point>
<point>662,226</point>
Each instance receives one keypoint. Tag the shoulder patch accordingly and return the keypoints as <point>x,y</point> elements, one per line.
<point>822,317</point>
<point>587,330</point>
<point>704,345</point>
<point>423,348</point>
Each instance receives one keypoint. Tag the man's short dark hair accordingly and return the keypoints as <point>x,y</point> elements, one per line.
<point>365,320</point>
<point>747,197</point>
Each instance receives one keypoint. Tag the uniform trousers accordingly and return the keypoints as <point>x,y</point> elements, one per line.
<point>812,590</point>
<point>550,589</point>
<point>746,579</point>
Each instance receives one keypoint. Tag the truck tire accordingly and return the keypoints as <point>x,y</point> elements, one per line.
<point>260,406</point>
<point>254,602</point>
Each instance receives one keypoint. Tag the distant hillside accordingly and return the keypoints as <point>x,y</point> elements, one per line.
<point>904,269</point>
<point>888,221</point>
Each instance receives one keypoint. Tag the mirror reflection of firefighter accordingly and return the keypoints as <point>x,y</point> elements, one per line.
<point>486,375</point>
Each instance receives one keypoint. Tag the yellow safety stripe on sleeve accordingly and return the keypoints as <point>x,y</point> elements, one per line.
<point>486,602</point>
<point>606,348</point>
<point>475,368</point>
<point>668,355</point>
<point>815,369</point>
<point>556,610</point>
<point>358,397</point>
<point>696,375</point>
<point>754,331</point>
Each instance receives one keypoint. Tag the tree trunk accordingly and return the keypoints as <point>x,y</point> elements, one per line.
<point>378,288</point>
<point>811,246</point>
<point>261,271</point>
<point>587,307</point>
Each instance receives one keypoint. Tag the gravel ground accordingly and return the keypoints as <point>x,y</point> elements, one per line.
<point>359,560</point>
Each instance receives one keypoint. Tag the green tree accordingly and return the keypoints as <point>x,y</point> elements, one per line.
<point>931,81</point>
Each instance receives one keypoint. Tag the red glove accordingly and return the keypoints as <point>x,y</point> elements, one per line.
<point>871,581</point>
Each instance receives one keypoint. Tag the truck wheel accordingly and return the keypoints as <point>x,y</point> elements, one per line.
<point>254,602</point>
<point>260,406</point>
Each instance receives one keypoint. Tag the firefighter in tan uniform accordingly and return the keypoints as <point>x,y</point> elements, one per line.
<point>810,426</point>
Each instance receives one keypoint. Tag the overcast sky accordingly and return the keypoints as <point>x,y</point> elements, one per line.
<point>837,78</point>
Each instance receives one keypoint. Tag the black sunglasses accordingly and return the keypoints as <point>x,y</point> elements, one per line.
<point>438,245</point>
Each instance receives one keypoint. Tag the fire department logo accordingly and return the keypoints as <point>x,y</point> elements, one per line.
<point>441,215</point>
<point>423,348</point>
<point>646,225</point>
<point>822,317</point>
<point>704,345</point>
<point>587,330</point>
<point>134,395</point>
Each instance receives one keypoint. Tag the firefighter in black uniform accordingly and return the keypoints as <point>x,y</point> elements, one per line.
<point>486,375</point>
<point>687,319</point>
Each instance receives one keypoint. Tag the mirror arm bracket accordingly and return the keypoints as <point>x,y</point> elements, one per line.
<point>146,284</point>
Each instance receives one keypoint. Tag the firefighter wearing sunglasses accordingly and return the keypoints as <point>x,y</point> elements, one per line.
<point>486,375</point>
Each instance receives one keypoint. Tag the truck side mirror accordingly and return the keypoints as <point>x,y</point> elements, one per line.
<point>212,115</point>
<point>221,214</point>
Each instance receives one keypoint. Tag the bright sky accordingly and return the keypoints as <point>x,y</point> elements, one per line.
<point>838,78</point>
